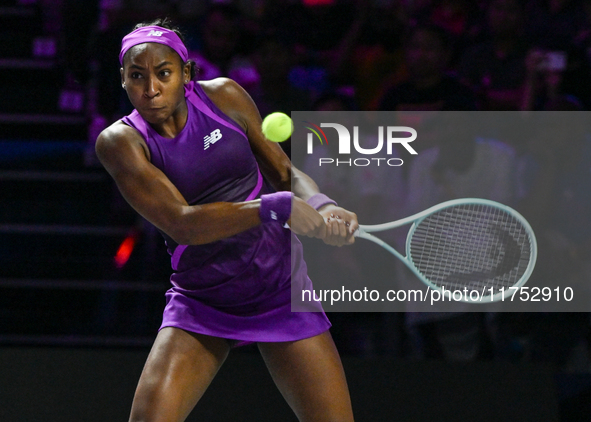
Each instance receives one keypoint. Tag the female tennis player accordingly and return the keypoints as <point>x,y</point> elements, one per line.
<point>191,159</point>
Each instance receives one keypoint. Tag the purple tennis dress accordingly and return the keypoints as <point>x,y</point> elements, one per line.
<point>237,288</point>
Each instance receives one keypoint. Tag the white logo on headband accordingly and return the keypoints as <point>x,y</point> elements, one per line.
<point>155,33</point>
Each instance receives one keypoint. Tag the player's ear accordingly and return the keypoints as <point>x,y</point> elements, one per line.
<point>122,78</point>
<point>187,72</point>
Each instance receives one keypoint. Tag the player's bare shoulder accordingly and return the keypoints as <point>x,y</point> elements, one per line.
<point>231,99</point>
<point>219,88</point>
<point>118,139</point>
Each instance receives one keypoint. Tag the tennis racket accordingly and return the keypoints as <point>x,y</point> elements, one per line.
<point>469,243</point>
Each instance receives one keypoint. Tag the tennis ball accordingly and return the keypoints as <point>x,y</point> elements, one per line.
<point>277,127</point>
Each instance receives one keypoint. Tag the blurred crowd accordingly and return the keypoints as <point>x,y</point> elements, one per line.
<point>408,55</point>
<point>383,54</point>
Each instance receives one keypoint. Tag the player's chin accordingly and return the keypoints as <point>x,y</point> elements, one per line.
<point>155,115</point>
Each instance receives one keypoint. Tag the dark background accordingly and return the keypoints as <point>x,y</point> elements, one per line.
<point>76,324</point>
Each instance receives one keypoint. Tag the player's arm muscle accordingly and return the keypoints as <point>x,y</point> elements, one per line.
<point>153,195</point>
<point>234,101</point>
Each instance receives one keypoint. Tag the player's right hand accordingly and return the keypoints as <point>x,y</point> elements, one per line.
<point>305,220</point>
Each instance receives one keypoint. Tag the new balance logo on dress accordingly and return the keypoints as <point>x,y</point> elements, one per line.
<point>153,33</point>
<point>212,138</point>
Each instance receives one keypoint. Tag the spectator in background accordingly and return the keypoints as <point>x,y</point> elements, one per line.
<point>554,24</point>
<point>220,51</point>
<point>559,64</point>
<point>273,59</point>
<point>316,28</point>
<point>583,37</point>
<point>457,17</point>
<point>544,81</point>
<point>460,19</point>
<point>369,57</point>
<point>428,87</point>
<point>182,10</point>
<point>495,68</point>
<point>577,76</point>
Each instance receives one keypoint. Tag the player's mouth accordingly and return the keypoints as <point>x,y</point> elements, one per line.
<point>154,109</point>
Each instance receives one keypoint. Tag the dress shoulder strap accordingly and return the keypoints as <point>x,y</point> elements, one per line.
<point>137,122</point>
<point>195,94</point>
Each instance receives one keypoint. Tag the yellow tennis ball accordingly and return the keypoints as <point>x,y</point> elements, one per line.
<point>277,127</point>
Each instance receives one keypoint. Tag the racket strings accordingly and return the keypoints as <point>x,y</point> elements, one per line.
<point>471,246</point>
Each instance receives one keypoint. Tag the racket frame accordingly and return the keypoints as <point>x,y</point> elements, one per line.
<point>365,231</point>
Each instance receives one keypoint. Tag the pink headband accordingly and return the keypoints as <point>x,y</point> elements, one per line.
<point>153,34</point>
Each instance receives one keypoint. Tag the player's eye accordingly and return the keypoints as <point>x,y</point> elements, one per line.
<point>165,73</point>
<point>136,75</point>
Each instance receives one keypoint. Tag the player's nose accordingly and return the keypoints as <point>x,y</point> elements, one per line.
<point>152,87</point>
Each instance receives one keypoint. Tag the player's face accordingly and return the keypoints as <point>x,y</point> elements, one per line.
<point>154,76</point>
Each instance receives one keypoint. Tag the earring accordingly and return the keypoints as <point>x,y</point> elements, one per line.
<point>123,86</point>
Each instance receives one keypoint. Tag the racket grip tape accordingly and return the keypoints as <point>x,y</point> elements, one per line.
<point>275,207</point>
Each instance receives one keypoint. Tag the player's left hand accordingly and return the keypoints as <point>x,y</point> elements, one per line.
<point>340,225</point>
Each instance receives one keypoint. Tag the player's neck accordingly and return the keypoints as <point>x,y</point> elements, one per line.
<point>172,126</point>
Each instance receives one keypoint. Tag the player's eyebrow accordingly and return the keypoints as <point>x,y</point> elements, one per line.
<point>164,63</point>
<point>158,66</point>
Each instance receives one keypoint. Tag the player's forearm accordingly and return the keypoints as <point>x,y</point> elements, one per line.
<point>203,224</point>
<point>302,185</point>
